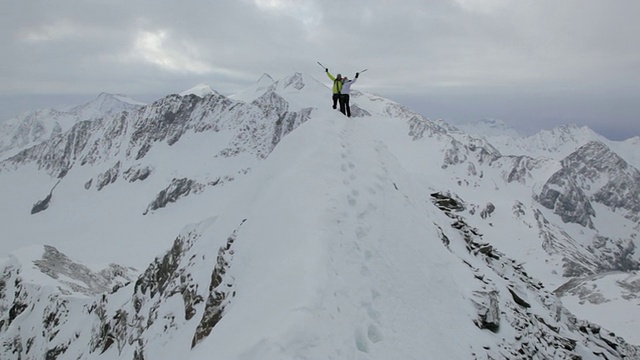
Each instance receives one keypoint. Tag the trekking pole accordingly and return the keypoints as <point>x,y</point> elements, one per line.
<point>361,71</point>
<point>324,67</point>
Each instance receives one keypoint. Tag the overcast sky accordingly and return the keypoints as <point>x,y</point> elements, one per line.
<point>532,63</point>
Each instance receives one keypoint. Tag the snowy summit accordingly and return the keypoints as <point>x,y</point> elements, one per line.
<point>200,90</point>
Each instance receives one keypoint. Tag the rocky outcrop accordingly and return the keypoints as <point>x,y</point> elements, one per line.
<point>167,279</point>
<point>615,255</point>
<point>108,177</point>
<point>506,296</point>
<point>42,205</point>
<point>178,188</point>
<point>79,278</point>
<point>220,292</point>
<point>57,155</point>
<point>593,173</point>
<point>34,127</point>
<point>565,197</point>
<point>256,128</point>
<point>136,173</point>
<point>22,300</point>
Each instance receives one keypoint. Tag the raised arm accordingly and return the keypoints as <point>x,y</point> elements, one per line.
<point>329,75</point>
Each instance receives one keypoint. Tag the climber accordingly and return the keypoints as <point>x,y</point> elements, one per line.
<point>344,95</point>
<point>337,86</point>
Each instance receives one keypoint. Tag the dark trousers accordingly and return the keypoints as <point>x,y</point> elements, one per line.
<point>344,105</point>
<point>336,97</point>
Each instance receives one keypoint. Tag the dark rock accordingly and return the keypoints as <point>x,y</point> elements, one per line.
<point>487,211</point>
<point>177,189</point>
<point>218,295</point>
<point>518,298</point>
<point>52,354</point>
<point>41,205</point>
<point>488,310</point>
<point>108,177</point>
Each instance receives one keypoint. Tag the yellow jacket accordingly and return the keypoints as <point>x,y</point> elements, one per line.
<point>337,84</point>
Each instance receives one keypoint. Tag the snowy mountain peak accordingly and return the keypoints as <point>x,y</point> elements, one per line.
<point>104,104</point>
<point>265,80</point>
<point>594,175</point>
<point>296,80</point>
<point>570,132</point>
<point>37,126</point>
<point>200,90</point>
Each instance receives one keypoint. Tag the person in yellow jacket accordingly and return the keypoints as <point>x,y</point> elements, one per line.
<point>337,86</point>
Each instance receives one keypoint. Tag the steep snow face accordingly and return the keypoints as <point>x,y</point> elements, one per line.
<point>313,235</point>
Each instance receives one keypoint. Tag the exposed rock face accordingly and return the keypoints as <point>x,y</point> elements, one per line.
<point>57,155</point>
<point>43,204</point>
<point>593,173</point>
<point>21,300</point>
<point>254,128</point>
<point>513,299</point>
<point>587,290</point>
<point>136,173</point>
<point>220,292</point>
<point>166,120</point>
<point>566,198</point>
<point>167,278</point>
<point>487,211</point>
<point>38,126</point>
<point>176,189</point>
<point>615,255</point>
<point>108,177</point>
<point>80,278</point>
<point>120,315</point>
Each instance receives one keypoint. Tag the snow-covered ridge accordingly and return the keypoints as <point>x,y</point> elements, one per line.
<point>271,215</point>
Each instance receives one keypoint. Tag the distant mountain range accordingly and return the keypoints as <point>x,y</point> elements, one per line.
<point>266,225</point>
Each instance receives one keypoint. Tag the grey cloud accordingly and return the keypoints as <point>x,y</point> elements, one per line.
<point>450,49</point>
